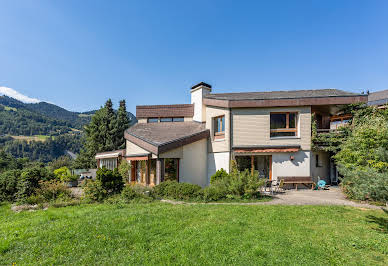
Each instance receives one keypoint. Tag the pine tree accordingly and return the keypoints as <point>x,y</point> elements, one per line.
<point>122,123</point>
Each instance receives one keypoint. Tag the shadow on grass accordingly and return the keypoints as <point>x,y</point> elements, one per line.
<point>380,221</point>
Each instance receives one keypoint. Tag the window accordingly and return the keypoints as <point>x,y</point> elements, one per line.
<point>166,119</point>
<point>153,120</point>
<point>219,127</point>
<point>283,124</point>
<point>177,119</point>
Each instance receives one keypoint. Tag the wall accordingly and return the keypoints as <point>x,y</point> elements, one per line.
<point>197,99</point>
<point>216,161</point>
<point>133,149</point>
<point>283,166</point>
<point>323,171</point>
<point>175,153</point>
<point>218,145</point>
<point>193,166</point>
<point>251,126</point>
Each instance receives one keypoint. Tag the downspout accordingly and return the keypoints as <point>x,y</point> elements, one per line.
<point>230,138</point>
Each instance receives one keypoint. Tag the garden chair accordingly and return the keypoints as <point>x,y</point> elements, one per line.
<point>279,186</point>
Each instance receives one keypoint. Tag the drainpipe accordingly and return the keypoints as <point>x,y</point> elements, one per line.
<point>230,137</point>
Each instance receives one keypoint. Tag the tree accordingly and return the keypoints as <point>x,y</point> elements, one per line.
<point>105,132</point>
<point>122,124</point>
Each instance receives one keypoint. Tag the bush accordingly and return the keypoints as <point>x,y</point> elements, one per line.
<point>130,193</point>
<point>29,181</point>
<point>124,170</point>
<point>175,190</point>
<point>111,181</point>
<point>365,184</point>
<point>94,191</point>
<point>215,192</point>
<point>53,190</point>
<point>9,185</point>
<point>220,174</point>
<point>236,184</point>
<point>62,174</point>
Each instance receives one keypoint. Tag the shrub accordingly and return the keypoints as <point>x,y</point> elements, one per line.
<point>62,174</point>
<point>29,181</point>
<point>175,190</point>
<point>130,193</point>
<point>9,185</point>
<point>215,192</point>
<point>220,174</point>
<point>94,191</point>
<point>52,190</point>
<point>111,181</point>
<point>124,169</point>
<point>365,184</point>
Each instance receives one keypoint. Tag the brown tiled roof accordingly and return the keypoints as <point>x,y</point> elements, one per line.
<point>271,95</point>
<point>161,137</point>
<point>175,110</point>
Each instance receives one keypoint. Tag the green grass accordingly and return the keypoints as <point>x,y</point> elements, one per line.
<point>158,233</point>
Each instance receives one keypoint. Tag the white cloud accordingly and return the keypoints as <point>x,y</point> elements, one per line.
<point>17,95</point>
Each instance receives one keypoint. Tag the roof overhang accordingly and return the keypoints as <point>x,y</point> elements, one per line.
<point>265,149</point>
<point>110,154</point>
<point>285,102</point>
<point>158,148</point>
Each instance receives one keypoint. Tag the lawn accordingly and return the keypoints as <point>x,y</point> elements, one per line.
<point>159,233</point>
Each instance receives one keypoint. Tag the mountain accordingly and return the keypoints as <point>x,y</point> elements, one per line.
<point>41,131</point>
<point>51,111</point>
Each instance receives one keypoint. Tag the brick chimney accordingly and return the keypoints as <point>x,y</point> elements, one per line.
<point>197,93</point>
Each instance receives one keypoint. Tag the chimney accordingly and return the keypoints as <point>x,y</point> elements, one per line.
<point>197,93</point>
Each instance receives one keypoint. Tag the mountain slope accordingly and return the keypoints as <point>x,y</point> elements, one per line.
<point>53,112</point>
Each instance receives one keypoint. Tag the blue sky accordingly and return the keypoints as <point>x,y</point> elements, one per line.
<point>79,53</point>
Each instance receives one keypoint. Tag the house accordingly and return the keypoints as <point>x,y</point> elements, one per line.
<point>268,131</point>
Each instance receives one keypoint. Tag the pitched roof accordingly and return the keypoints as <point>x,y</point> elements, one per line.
<point>271,95</point>
<point>161,137</point>
<point>174,110</point>
<point>378,95</point>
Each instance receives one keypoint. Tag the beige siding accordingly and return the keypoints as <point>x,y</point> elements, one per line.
<point>133,149</point>
<point>175,153</point>
<point>251,126</point>
<point>323,169</point>
<point>218,145</point>
<point>193,165</point>
<point>142,120</point>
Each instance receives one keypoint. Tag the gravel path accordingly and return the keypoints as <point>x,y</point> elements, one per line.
<point>333,196</point>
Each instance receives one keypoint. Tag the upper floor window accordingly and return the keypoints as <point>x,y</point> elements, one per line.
<point>284,124</point>
<point>166,119</point>
<point>153,120</point>
<point>219,126</point>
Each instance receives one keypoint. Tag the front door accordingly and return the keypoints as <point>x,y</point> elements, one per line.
<point>138,171</point>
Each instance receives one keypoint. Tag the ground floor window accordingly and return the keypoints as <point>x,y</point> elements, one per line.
<point>110,163</point>
<point>171,170</point>
<point>261,164</point>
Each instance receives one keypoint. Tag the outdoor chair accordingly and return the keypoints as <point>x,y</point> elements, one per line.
<point>279,186</point>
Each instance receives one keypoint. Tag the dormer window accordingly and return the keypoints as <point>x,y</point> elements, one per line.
<point>284,124</point>
<point>219,127</point>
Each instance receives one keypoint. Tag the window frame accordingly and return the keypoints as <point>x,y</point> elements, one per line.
<point>219,134</point>
<point>150,118</point>
<point>165,121</point>
<point>181,119</point>
<point>287,128</point>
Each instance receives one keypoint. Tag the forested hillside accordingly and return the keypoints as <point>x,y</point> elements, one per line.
<point>41,131</point>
